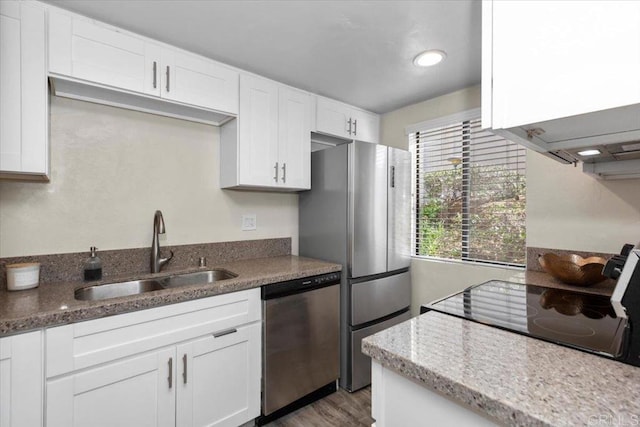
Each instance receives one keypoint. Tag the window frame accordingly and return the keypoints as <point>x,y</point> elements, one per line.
<point>464,117</point>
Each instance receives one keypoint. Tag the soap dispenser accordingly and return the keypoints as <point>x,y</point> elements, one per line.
<point>93,266</point>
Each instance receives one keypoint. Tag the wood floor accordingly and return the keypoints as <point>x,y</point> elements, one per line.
<point>339,409</point>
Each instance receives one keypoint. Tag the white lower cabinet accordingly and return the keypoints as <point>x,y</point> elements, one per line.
<point>130,392</point>
<point>216,378</point>
<point>196,363</point>
<point>400,401</point>
<point>21,380</point>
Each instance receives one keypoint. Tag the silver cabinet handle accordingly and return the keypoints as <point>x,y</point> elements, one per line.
<point>349,126</point>
<point>170,377</point>
<point>155,74</point>
<point>275,178</point>
<point>355,127</point>
<point>168,73</point>
<point>284,172</point>
<point>184,369</point>
<point>223,333</point>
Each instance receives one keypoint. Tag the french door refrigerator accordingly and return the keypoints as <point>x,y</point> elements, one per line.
<point>357,213</point>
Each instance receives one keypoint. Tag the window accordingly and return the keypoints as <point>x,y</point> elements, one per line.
<point>469,192</point>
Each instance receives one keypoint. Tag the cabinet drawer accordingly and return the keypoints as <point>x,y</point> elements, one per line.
<point>89,343</point>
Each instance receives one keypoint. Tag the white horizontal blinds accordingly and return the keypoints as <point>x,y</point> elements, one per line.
<point>469,191</point>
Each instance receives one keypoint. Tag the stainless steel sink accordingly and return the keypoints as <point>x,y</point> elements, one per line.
<point>195,278</point>
<point>135,287</point>
<point>120,289</point>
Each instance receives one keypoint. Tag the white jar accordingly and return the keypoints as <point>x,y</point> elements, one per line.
<point>23,276</point>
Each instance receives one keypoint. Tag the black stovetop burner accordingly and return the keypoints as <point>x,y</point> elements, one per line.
<point>583,321</point>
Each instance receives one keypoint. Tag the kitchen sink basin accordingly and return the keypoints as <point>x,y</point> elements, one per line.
<point>135,287</point>
<point>120,289</point>
<point>195,278</point>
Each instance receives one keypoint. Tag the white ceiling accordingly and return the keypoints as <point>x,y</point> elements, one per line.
<point>359,52</point>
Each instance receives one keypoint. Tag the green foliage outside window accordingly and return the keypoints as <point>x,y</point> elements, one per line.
<point>496,214</point>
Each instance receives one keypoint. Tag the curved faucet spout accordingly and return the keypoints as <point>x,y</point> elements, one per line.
<point>158,228</point>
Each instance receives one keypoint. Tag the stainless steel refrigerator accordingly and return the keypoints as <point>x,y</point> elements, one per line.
<point>357,213</point>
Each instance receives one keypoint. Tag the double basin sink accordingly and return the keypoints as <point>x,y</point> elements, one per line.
<point>136,287</point>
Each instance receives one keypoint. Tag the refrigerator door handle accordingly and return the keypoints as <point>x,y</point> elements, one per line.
<point>393,176</point>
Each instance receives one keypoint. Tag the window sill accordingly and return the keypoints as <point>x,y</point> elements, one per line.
<point>468,263</point>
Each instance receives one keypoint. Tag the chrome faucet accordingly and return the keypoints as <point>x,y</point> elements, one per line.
<point>158,228</point>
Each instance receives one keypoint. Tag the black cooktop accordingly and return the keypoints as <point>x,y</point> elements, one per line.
<point>583,321</point>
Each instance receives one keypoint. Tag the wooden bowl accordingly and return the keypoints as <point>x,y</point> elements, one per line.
<point>573,269</point>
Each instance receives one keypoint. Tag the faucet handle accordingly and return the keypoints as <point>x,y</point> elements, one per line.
<point>163,261</point>
<point>202,262</point>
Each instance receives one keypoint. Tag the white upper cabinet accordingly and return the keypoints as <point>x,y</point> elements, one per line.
<point>198,81</point>
<point>269,146</point>
<point>562,74</point>
<point>294,138</point>
<point>24,142</point>
<point>344,121</point>
<point>97,53</point>
<point>258,132</point>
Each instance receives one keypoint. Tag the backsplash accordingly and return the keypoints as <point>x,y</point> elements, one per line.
<point>534,265</point>
<point>68,266</point>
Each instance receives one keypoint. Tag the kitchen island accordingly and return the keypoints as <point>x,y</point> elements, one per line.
<point>437,368</point>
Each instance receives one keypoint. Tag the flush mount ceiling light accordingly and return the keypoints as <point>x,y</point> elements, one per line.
<point>429,57</point>
<point>587,153</point>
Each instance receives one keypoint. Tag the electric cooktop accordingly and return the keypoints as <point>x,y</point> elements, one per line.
<point>583,321</point>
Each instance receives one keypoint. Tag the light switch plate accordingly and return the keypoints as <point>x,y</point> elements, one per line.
<point>248,222</point>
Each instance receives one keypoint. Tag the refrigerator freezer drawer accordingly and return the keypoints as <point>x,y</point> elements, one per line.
<point>380,297</point>
<point>360,363</point>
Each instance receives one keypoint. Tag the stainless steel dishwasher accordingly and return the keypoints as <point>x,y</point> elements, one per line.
<point>301,333</point>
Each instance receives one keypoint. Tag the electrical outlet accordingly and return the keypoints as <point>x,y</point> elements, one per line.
<point>249,222</point>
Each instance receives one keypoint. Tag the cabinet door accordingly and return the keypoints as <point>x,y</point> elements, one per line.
<point>219,378</point>
<point>258,132</point>
<point>558,59</point>
<point>199,81</point>
<point>294,138</point>
<point>365,126</point>
<point>333,118</point>
<point>138,391</point>
<point>98,53</point>
<point>23,89</point>
<point>21,380</point>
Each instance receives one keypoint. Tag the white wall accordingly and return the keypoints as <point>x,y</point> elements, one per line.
<point>432,280</point>
<point>112,168</point>
<point>566,209</point>
<point>393,123</point>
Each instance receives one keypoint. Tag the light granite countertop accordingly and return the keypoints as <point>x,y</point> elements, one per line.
<point>517,380</point>
<point>53,304</point>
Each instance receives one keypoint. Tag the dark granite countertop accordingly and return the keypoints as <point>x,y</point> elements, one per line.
<point>53,304</point>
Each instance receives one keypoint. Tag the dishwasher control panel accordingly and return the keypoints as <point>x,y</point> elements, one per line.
<point>303,284</point>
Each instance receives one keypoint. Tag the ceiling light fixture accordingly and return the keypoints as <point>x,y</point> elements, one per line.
<point>429,57</point>
<point>587,153</point>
